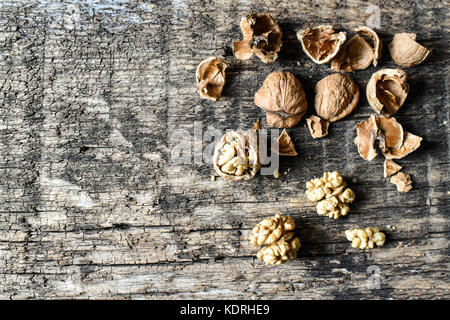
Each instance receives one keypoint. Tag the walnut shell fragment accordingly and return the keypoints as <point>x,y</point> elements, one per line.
<point>321,44</point>
<point>211,78</point>
<point>261,36</point>
<point>387,90</point>
<point>284,145</point>
<point>390,168</point>
<point>336,97</point>
<point>402,181</point>
<point>317,126</point>
<point>283,99</point>
<point>394,142</point>
<point>236,155</point>
<point>406,52</point>
<point>357,53</point>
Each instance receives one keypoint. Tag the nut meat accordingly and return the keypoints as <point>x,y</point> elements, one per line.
<point>283,99</point>
<point>211,78</point>
<point>356,53</point>
<point>336,97</point>
<point>261,36</point>
<point>277,234</point>
<point>236,155</point>
<point>406,52</point>
<point>331,192</point>
<point>387,90</point>
<point>366,238</point>
<point>321,44</point>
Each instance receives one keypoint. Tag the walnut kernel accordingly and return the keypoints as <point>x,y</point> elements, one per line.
<point>366,238</point>
<point>236,155</point>
<point>321,44</point>
<point>283,99</point>
<point>280,252</point>
<point>387,90</point>
<point>336,97</point>
<point>211,78</point>
<point>261,36</point>
<point>406,52</point>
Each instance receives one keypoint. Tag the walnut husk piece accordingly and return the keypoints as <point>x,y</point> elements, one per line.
<point>387,90</point>
<point>283,99</point>
<point>236,155</point>
<point>261,36</point>
<point>317,126</point>
<point>210,75</point>
<point>278,236</point>
<point>394,142</point>
<point>321,44</point>
<point>366,238</point>
<point>402,181</point>
<point>284,145</point>
<point>357,53</point>
<point>406,52</point>
<point>336,97</point>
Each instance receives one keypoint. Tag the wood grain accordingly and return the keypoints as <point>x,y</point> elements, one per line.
<point>92,206</point>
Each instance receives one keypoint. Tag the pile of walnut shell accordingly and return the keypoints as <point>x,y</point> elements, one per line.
<point>282,99</point>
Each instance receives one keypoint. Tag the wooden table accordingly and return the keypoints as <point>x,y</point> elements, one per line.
<point>92,205</point>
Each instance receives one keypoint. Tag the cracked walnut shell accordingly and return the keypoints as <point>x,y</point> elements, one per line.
<point>336,97</point>
<point>387,90</point>
<point>356,53</point>
<point>211,78</point>
<point>366,238</point>
<point>321,44</point>
<point>402,181</point>
<point>317,126</point>
<point>277,234</point>
<point>261,36</point>
<point>406,52</point>
<point>390,168</point>
<point>331,192</point>
<point>283,99</point>
<point>236,155</point>
<point>284,145</point>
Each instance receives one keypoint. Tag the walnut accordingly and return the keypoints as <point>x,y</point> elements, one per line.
<point>406,52</point>
<point>283,99</point>
<point>277,234</point>
<point>366,238</point>
<point>390,168</point>
<point>236,155</point>
<point>278,253</point>
<point>356,53</point>
<point>402,181</point>
<point>211,78</point>
<point>387,90</point>
<point>394,142</point>
<point>321,44</point>
<point>317,127</point>
<point>284,145</point>
<point>332,187</point>
<point>261,36</point>
<point>336,97</point>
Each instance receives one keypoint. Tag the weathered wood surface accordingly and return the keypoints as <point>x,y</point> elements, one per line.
<point>91,205</point>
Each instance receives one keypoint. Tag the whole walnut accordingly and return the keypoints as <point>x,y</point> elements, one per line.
<point>236,155</point>
<point>283,99</point>
<point>336,97</point>
<point>261,36</point>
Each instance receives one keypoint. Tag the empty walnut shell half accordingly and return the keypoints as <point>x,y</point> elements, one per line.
<point>336,97</point>
<point>236,155</point>
<point>317,126</point>
<point>357,53</point>
<point>283,99</point>
<point>211,78</point>
<point>394,142</point>
<point>406,52</point>
<point>387,90</point>
<point>284,145</point>
<point>261,36</point>
<point>321,44</point>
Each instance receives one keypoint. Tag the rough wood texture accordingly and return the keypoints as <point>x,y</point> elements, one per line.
<point>91,205</point>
